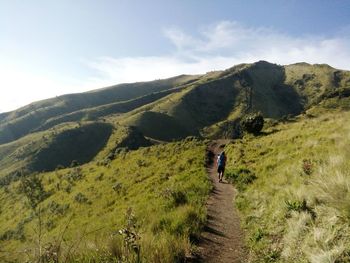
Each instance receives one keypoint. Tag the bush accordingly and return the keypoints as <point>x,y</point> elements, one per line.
<point>300,206</point>
<point>176,197</point>
<point>118,187</point>
<point>81,198</point>
<point>253,123</point>
<point>307,166</point>
<point>241,178</point>
<point>33,190</point>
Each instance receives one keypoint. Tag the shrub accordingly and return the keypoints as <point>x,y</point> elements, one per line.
<point>300,206</point>
<point>296,205</point>
<point>74,163</point>
<point>253,123</point>
<point>241,178</point>
<point>117,187</point>
<point>33,190</point>
<point>307,166</point>
<point>257,235</point>
<point>177,197</point>
<point>81,198</point>
<point>57,209</point>
<point>75,175</point>
<point>99,177</point>
<point>130,234</point>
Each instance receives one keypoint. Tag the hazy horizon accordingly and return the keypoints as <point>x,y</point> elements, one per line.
<point>49,49</point>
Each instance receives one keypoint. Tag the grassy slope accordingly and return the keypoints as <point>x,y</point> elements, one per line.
<point>314,82</point>
<point>217,98</point>
<point>18,123</point>
<point>58,146</point>
<point>17,155</point>
<point>221,96</point>
<point>80,144</point>
<point>205,103</point>
<point>166,186</point>
<point>292,162</point>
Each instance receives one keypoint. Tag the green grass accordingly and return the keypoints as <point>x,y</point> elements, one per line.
<point>18,155</point>
<point>165,185</point>
<point>20,122</point>
<point>204,104</point>
<point>79,145</point>
<point>295,208</point>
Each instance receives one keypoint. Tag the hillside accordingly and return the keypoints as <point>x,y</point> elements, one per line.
<point>18,123</point>
<point>119,173</point>
<point>162,189</point>
<point>293,189</point>
<point>209,106</point>
<point>212,105</point>
<point>203,102</point>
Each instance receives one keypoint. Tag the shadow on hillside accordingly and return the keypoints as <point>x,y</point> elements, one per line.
<point>79,145</point>
<point>265,133</point>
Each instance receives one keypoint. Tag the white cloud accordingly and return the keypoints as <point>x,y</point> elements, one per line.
<point>221,46</point>
<point>215,47</point>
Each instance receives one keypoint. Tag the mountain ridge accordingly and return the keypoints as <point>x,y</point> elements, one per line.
<point>208,106</point>
<point>145,158</point>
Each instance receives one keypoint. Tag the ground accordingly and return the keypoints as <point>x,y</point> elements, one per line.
<point>222,238</point>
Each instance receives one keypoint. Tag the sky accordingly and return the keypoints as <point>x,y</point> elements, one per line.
<point>49,48</point>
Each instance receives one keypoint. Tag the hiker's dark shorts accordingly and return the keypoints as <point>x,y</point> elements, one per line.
<point>221,169</point>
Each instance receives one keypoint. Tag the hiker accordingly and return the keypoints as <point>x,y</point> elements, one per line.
<point>221,162</point>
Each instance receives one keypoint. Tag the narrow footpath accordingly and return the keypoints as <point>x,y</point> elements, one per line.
<point>222,239</point>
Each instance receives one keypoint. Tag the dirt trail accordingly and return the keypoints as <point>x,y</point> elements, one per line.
<point>222,239</point>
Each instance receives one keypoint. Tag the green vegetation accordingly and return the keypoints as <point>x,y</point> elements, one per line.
<point>147,203</point>
<point>191,105</point>
<point>294,195</point>
<point>253,123</point>
<point>20,122</point>
<point>93,177</point>
<point>72,147</point>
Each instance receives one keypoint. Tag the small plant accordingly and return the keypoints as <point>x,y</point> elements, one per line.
<point>253,123</point>
<point>257,235</point>
<point>296,205</point>
<point>81,198</point>
<point>131,235</point>
<point>33,190</point>
<point>117,187</point>
<point>300,206</point>
<point>272,255</point>
<point>74,163</point>
<point>307,166</point>
<point>241,178</point>
<point>177,197</point>
<point>75,175</point>
<point>99,177</point>
<point>57,209</point>
<point>35,193</point>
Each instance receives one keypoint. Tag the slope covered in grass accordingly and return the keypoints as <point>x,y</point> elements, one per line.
<point>214,103</point>
<point>45,151</point>
<point>79,145</point>
<point>83,208</point>
<point>279,173</point>
<point>22,121</point>
<point>204,104</point>
<point>15,157</point>
<point>294,194</point>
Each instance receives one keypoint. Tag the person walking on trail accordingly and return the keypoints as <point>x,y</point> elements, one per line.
<point>221,162</point>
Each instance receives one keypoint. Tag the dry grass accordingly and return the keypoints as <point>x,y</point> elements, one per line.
<point>300,200</point>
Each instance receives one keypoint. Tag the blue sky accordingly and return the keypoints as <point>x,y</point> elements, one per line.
<point>49,48</point>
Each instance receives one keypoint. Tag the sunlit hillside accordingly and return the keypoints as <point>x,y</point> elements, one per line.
<point>119,174</point>
<point>293,183</point>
